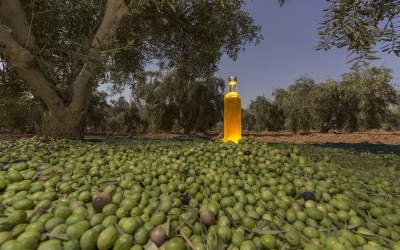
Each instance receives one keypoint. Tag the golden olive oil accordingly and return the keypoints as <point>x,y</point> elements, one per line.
<point>232,112</point>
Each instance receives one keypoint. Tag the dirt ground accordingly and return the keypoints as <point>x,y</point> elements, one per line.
<point>377,137</point>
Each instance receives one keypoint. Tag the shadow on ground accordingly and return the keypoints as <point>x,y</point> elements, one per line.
<point>373,148</point>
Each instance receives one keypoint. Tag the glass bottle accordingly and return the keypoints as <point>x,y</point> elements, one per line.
<point>232,112</point>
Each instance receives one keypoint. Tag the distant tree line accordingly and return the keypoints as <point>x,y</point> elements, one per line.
<point>362,99</point>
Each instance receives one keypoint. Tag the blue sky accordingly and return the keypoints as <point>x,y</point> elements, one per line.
<point>287,52</point>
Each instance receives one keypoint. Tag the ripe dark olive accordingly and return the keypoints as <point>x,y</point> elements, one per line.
<point>232,171</point>
<point>308,196</point>
<point>184,199</point>
<point>101,201</point>
<point>247,152</point>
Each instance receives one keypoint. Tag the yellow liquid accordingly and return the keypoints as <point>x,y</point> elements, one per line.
<point>232,117</point>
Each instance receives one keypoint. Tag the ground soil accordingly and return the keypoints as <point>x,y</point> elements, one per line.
<point>377,137</point>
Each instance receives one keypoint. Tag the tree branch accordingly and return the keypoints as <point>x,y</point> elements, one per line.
<point>13,16</point>
<point>77,64</point>
<point>24,63</point>
<point>115,14</point>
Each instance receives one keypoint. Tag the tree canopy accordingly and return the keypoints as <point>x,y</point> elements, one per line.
<point>193,103</point>
<point>361,99</point>
<point>262,115</point>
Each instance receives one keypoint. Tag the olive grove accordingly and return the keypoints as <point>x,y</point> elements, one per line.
<point>55,54</point>
<point>62,50</point>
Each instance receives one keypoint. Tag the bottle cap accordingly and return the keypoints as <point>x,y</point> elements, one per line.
<point>232,79</point>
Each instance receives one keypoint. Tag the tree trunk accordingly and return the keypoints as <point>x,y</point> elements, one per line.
<point>186,130</point>
<point>322,128</point>
<point>69,125</point>
<point>58,120</point>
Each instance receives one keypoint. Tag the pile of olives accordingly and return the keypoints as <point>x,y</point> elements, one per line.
<point>160,194</point>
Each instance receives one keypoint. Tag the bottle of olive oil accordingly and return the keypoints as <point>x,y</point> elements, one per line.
<point>232,112</point>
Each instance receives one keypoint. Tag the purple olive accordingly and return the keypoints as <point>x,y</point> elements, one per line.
<point>247,152</point>
<point>101,201</point>
<point>158,235</point>
<point>208,217</point>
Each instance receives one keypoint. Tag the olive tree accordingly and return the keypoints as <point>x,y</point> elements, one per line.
<point>372,89</point>
<point>62,50</point>
<point>327,103</point>
<point>179,97</point>
<point>361,99</point>
<point>266,115</point>
<point>392,120</point>
<point>124,116</point>
<point>97,116</point>
<point>294,103</point>
<point>18,108</point>
<point>248,120</point>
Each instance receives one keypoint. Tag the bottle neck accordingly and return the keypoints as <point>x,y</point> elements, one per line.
<point>232,87</point>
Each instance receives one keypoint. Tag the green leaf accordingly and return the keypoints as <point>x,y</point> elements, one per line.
<point>358,210</point>
<point>211,242</point>
<point>111,182</point>
<point>231,220</point>
<point>168,225</point>
<point>220,243</point>
<point>187,223</point>
<point>56,236</point>
<point>262,224</point>
<point>34,177</point>
<point>353,226</point>
<point>271,232</point>
<point>119,229</point>
<point>354,59</point>
<point>89,179</point>
<point>336,222</point>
